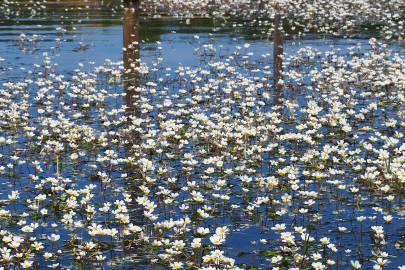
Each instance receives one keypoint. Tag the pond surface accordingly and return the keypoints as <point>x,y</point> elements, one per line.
<point>198,138</point>
<point>92,36</point>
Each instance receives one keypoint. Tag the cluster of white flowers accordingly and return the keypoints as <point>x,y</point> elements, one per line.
<point>179,174</point>
<point>207,167</point>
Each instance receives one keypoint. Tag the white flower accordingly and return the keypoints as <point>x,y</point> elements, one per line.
<point>355,264</point>
<point>318,266</point>
<point>27,264</point>
<point>47,255</point>
<point>217,240</point>
<point>203,231</point>
<point>196,243</point>
<point>54,237</point>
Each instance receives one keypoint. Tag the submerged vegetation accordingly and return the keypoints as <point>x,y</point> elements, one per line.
<point>135,165</point>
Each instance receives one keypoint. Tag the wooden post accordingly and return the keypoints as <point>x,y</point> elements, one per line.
<point>131,53</point>
<point>131,3</point>
<point>278,40</point>
<point>131,34</point>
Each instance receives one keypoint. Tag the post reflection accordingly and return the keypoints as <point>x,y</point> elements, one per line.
<point>131,53</point>
<point>131,80</point>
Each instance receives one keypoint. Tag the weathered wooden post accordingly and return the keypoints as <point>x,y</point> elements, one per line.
<point>131,53</point>
<point>278,40</point>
